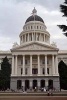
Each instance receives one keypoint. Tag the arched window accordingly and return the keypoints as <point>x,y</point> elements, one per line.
<point>37,27</point>
<point>31,27</point>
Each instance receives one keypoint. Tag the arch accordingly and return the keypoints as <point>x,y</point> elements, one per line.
<point>50,84</point>
<point>19,84</point>
<point>34,84</point>
<point>42,83</point>
<point>26,84</point>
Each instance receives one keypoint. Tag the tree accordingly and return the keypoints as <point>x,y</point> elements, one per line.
<point>63,9</point>
<point>5,74</point>
<point>63,74</point>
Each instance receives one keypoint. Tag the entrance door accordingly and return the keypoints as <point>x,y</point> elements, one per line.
<point>34,84</point>
<point>18,84</point>
<point>50,84</point>
<point>26,84</point>
<point>42,83</point>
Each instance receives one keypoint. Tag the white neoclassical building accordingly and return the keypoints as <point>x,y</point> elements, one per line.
<point>35,61</point>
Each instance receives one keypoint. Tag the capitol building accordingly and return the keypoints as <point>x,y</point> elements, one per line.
<point>34,63</point>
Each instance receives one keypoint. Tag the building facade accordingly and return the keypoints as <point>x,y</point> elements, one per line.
<point>35,61</point>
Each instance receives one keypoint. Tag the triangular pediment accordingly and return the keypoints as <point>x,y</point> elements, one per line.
<point>35,46</point>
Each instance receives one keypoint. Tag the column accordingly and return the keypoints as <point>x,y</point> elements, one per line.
<point>28,37</point>
<point>44,37</point>
<point>38,64</point>
<point>53,66</point>
<point>25,37</point>
<point>32,36</point>
<point>56,65</point>
<point>23,64</point>
<point>45,64</point>
<point>30,64</point>
<point>13,65</point>
<point>16,65</point>
<point>40,37</point>
<point>36,36</point>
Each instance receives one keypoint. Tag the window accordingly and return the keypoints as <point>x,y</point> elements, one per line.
<point>43,71</point>
<point>26,62</point>
<point>21,61</point>
<point>37,27</point>
<point>34,70</point>
<point>48,70</point>
<point>26,28</point>
<point>26,71</point>
<point>47,61</point>
<point>31,27</point>
<point>43,61</point>
<point>21,71</point>
<point>21,38</point>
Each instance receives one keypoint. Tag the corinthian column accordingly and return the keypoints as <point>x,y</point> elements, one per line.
<point>38,65</point>
<point>53,65</point>
<point>13,65</point>
<point>45,64</point>
<point>23,64</point>
<point>16,65</point>
<point>30,64</point>
<point>56,65</point>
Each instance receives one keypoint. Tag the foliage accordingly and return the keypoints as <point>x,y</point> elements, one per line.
<point>63,75</point>
<point>5,74</point>
<point>63,9</point>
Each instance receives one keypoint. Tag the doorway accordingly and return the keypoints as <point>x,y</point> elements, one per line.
<point>50,84</point>
<point>26,84</point>
<point>18,84</point>
<point>42,83</point>
<point>34,84</point>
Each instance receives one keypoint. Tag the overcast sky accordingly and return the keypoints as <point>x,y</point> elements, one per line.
<point>13,14</point>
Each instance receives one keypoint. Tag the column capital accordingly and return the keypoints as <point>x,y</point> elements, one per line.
<point>53,54</point>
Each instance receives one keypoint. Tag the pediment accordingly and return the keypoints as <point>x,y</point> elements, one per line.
<point>35,46</point>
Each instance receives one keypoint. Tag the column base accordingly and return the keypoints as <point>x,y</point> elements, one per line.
<point>46,74</point>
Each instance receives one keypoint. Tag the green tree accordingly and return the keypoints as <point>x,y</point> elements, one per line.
<point>63,9</point>
<point>63,74</point>
<point>5,74</point>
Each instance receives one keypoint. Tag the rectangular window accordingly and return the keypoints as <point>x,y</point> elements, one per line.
<point>47,61</point>
<point>21,61</point>
<point>43,71</point>
<point>48,70</point>
<point>26,62</point>
<point>26,71</point>
<point>43,61</point>
<point>21,71</point>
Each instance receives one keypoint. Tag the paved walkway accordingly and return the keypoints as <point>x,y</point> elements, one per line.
<point>33,97</point>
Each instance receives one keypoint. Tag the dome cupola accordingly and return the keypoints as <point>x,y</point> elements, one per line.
<point>34,17</point>
<point>34,29</point>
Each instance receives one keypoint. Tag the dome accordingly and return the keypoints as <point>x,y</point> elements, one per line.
<point>34,17</point>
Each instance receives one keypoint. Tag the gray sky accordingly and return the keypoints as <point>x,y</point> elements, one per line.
<point>13,14</point>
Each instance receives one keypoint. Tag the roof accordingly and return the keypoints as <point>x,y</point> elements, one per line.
<point>62,52</point>
<point>34,18</point>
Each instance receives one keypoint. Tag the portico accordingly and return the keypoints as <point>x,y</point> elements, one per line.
<point>38,63</point>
